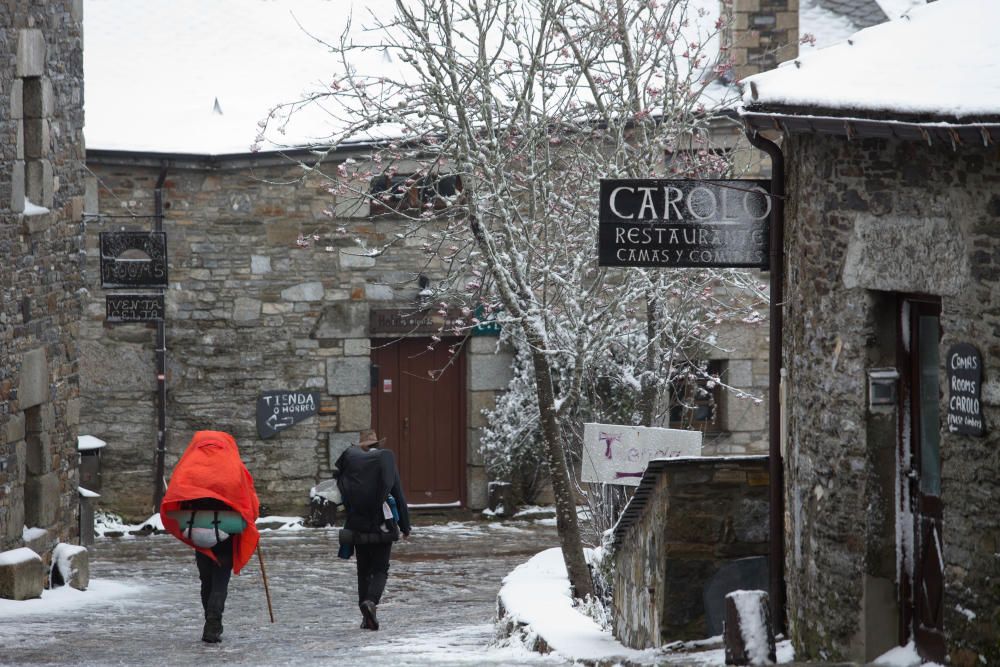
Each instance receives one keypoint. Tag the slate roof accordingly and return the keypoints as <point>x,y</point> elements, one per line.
<point>862,13</point>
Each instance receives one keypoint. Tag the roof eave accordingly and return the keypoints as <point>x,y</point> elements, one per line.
<point>143,157</point>
<point>971,133</point>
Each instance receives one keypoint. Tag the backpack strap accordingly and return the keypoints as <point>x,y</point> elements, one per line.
<point>189,525</point>
<point>215,524</point>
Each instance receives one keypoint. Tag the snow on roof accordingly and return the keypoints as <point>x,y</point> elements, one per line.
<point>820,26</point>
<point>159,72</point>
<point>197,76</point>
<point>862,13</point>
<point>939,59</point>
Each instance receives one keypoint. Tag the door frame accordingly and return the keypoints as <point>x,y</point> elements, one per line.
<point>461,367</point>
<point>920,508</point>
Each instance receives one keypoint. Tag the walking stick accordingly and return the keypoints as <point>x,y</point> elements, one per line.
<point>267,591</point>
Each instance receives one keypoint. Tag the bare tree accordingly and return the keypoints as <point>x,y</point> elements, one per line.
<point>490,123</point>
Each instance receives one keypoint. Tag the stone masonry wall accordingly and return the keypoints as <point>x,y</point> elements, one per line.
<point>249,309</point>
<point>761,34</point>
<point>866,219</point>
<point>698,517</point>
<point>41,160</point>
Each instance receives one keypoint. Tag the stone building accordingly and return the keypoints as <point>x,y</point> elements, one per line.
<point>41,281</point>
<point>890,346</point>
<point>253,305</point>
<point>251,310</point>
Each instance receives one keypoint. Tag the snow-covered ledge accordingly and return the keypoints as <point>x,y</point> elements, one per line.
<point>33,209</point>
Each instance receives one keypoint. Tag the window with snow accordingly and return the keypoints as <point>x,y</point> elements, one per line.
<point>695,397</point>
<point>413,194</point>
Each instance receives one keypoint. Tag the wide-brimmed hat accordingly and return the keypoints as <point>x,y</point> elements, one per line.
<point>369,438</point>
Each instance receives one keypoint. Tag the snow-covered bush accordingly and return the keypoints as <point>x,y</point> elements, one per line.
<point>511,440</point>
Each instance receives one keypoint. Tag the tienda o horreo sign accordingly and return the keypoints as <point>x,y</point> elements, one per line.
<point>663,223</point>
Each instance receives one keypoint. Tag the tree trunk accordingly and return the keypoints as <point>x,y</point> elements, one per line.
<point>567,525</point>
<point>650,395</point>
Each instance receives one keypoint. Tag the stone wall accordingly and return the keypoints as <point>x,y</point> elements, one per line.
<point>251,308</point>
<point>689,520</point>
<point>41,149</point>
<point>866,220</point>
<point>742,351</point>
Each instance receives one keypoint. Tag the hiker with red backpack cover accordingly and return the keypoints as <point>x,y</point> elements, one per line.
<point>211,506</point>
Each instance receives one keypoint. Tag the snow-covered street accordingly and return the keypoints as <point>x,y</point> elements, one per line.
<point>142,607</point>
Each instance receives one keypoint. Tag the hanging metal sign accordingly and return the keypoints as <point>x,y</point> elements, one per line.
<point>965,380</point>
<point>133,259</point>
<point>661,223</point>
<point>277,410</point>
<point>134,307</point>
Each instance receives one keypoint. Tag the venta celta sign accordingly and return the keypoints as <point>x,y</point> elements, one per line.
<point>684,224</point>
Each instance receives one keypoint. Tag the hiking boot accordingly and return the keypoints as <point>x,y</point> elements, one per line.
<point>368,611</point>
<point>212,633</point>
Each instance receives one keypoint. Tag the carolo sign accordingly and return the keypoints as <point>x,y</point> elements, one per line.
<point>693,224</point>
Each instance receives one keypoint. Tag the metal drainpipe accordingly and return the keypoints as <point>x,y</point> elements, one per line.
<point>776,538</point>
<point>161,363</point>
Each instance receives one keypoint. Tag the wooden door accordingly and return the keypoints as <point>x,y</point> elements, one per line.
<point>418,405</point>
<point>922,392</point>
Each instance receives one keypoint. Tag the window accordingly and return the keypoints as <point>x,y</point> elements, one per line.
<point>694,399</point>
<point>414,192</point>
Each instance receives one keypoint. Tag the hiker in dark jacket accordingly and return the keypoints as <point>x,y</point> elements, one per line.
<point>367,477</point>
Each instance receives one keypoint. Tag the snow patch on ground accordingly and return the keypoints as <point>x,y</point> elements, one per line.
<point>902,656</point>
<point>280,523</point>
<point>450,647</point>
<point>538,612</point>
<point>536,596</point>
<point>66,599</point>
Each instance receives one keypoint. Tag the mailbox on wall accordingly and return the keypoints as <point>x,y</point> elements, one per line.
<point>883,386</point>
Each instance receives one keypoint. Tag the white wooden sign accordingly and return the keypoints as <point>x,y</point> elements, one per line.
<point>616,454</point>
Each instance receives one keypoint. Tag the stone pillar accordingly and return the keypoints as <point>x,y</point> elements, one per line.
<point>761,34</point>
<point>489,370</point>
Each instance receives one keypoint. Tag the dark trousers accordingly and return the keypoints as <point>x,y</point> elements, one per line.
<point>215,578</point>
<point>373,570</point>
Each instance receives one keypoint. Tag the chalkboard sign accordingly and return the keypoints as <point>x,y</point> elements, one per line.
<point>277,410</point>
<point>134,307</point>
<point>133,259</point>
<point>965,381</point>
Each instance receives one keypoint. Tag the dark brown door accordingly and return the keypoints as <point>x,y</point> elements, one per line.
<point>922,392</point>
<point>418,406</point>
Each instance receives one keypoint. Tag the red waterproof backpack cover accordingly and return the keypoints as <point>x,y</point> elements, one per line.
<point>211,468</point>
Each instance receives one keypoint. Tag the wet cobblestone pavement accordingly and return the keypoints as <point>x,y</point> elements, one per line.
<point>438,608</point>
